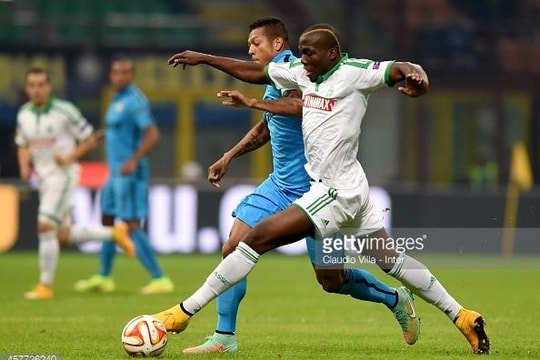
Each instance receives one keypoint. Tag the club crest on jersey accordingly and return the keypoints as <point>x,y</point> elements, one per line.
<point>119,107</point>
<point>318,102</point>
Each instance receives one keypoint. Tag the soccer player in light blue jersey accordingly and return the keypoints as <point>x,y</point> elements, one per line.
<point>268,42</point>
<point>130,134</point>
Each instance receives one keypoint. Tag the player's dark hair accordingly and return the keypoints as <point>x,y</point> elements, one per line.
<point>37,70</point>
<point>334,35</point>
<point>273,28</point>
<point>124,58</point>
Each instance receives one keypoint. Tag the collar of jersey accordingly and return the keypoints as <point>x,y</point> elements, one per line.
<point>323,77</point>
<point>124,91</point>
<point>279,57</point>
<point>43,109</point>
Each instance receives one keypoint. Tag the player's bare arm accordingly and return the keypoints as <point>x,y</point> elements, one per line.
<point>254,139</point>
<point>416,82</point>
<point>151,137</point>
<point>248,71</point>
<point>83,148</point>
<point>25,162</point>
<point>289,105</point>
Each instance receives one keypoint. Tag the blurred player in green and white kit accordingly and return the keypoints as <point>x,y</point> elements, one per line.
<point>51,136</point>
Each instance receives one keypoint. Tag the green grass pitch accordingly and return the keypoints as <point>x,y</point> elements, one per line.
<point>285,314</point>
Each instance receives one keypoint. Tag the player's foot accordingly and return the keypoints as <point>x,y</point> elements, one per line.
<point>174,319</point>
<point>471,324</point>
<point>120,234</point>
<point>161,285</point>
<point>405,314</point>
<point>97,283</point>
<point>40,292</point>
<point>217,343</point>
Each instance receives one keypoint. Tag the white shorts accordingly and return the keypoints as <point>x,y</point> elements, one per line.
<point>347,211</point>
<point>55,193</point>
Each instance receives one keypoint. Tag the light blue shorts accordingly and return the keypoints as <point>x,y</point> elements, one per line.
<point>125,197</point>
<point>266,200</point>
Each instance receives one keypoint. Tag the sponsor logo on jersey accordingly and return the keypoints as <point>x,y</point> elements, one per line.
<point>318,102</point>
<point>42,142</point>
<point>376,65</point>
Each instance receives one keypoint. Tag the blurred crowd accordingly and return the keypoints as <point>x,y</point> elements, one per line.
<point>479,35</point>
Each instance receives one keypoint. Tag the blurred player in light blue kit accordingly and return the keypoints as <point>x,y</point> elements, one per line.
<point>268,42</point>
<point>130,134</point>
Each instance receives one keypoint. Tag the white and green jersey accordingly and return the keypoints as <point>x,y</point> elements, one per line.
<point>333,109</point>
<point>53,129</point>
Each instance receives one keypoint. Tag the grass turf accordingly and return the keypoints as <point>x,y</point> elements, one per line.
<point>284,316</point>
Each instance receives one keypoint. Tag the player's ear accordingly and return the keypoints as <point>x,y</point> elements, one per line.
<point>333,54</point>
<point>278,43</point>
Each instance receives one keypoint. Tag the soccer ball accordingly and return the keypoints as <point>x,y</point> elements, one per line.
<point>144,336</point>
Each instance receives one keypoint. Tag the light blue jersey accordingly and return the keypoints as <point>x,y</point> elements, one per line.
<point>289,180</point>
<point>128,116</point>
<point>287,142</point>
<point>126,119</point>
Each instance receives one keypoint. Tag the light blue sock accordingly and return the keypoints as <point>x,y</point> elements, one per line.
<point>145,253</point>
<point>227,307</point>
<point>106,257</point>
<point>362,285</point>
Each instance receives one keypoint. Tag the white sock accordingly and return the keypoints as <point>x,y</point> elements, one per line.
<point>230,270</point>
<point>419,279</point>
<point>49,250</point>
<point>81,234</point>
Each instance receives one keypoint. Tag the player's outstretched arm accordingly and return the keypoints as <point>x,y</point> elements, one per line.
<point>290,105</point>
<point>256,137</point>
<point>248,71</point>
<point>416,82</point>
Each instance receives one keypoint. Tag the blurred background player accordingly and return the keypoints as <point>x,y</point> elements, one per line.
<point>51,136</point>
<point>130,134</point>
<point>268,41</point>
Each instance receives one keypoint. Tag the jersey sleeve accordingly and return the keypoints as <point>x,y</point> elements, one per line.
<point>77,123</point>
<point>283,76</point>
<point>368,75</point>
<point>142,115</point>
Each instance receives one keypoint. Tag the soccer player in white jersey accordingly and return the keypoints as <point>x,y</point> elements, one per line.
<point>335,93</point>
<point>51,136</point>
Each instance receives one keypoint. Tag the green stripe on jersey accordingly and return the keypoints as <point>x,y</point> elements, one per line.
<point>318,204</point>
<point>359,63</point>
<point>387,74</point>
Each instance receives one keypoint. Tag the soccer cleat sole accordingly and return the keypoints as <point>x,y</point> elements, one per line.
<point>483,340</point>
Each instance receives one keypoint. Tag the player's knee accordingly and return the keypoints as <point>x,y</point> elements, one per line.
<point>45,225</point>
<point>228,248</point>
<point>329,283</point>
<point>259,239</point>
